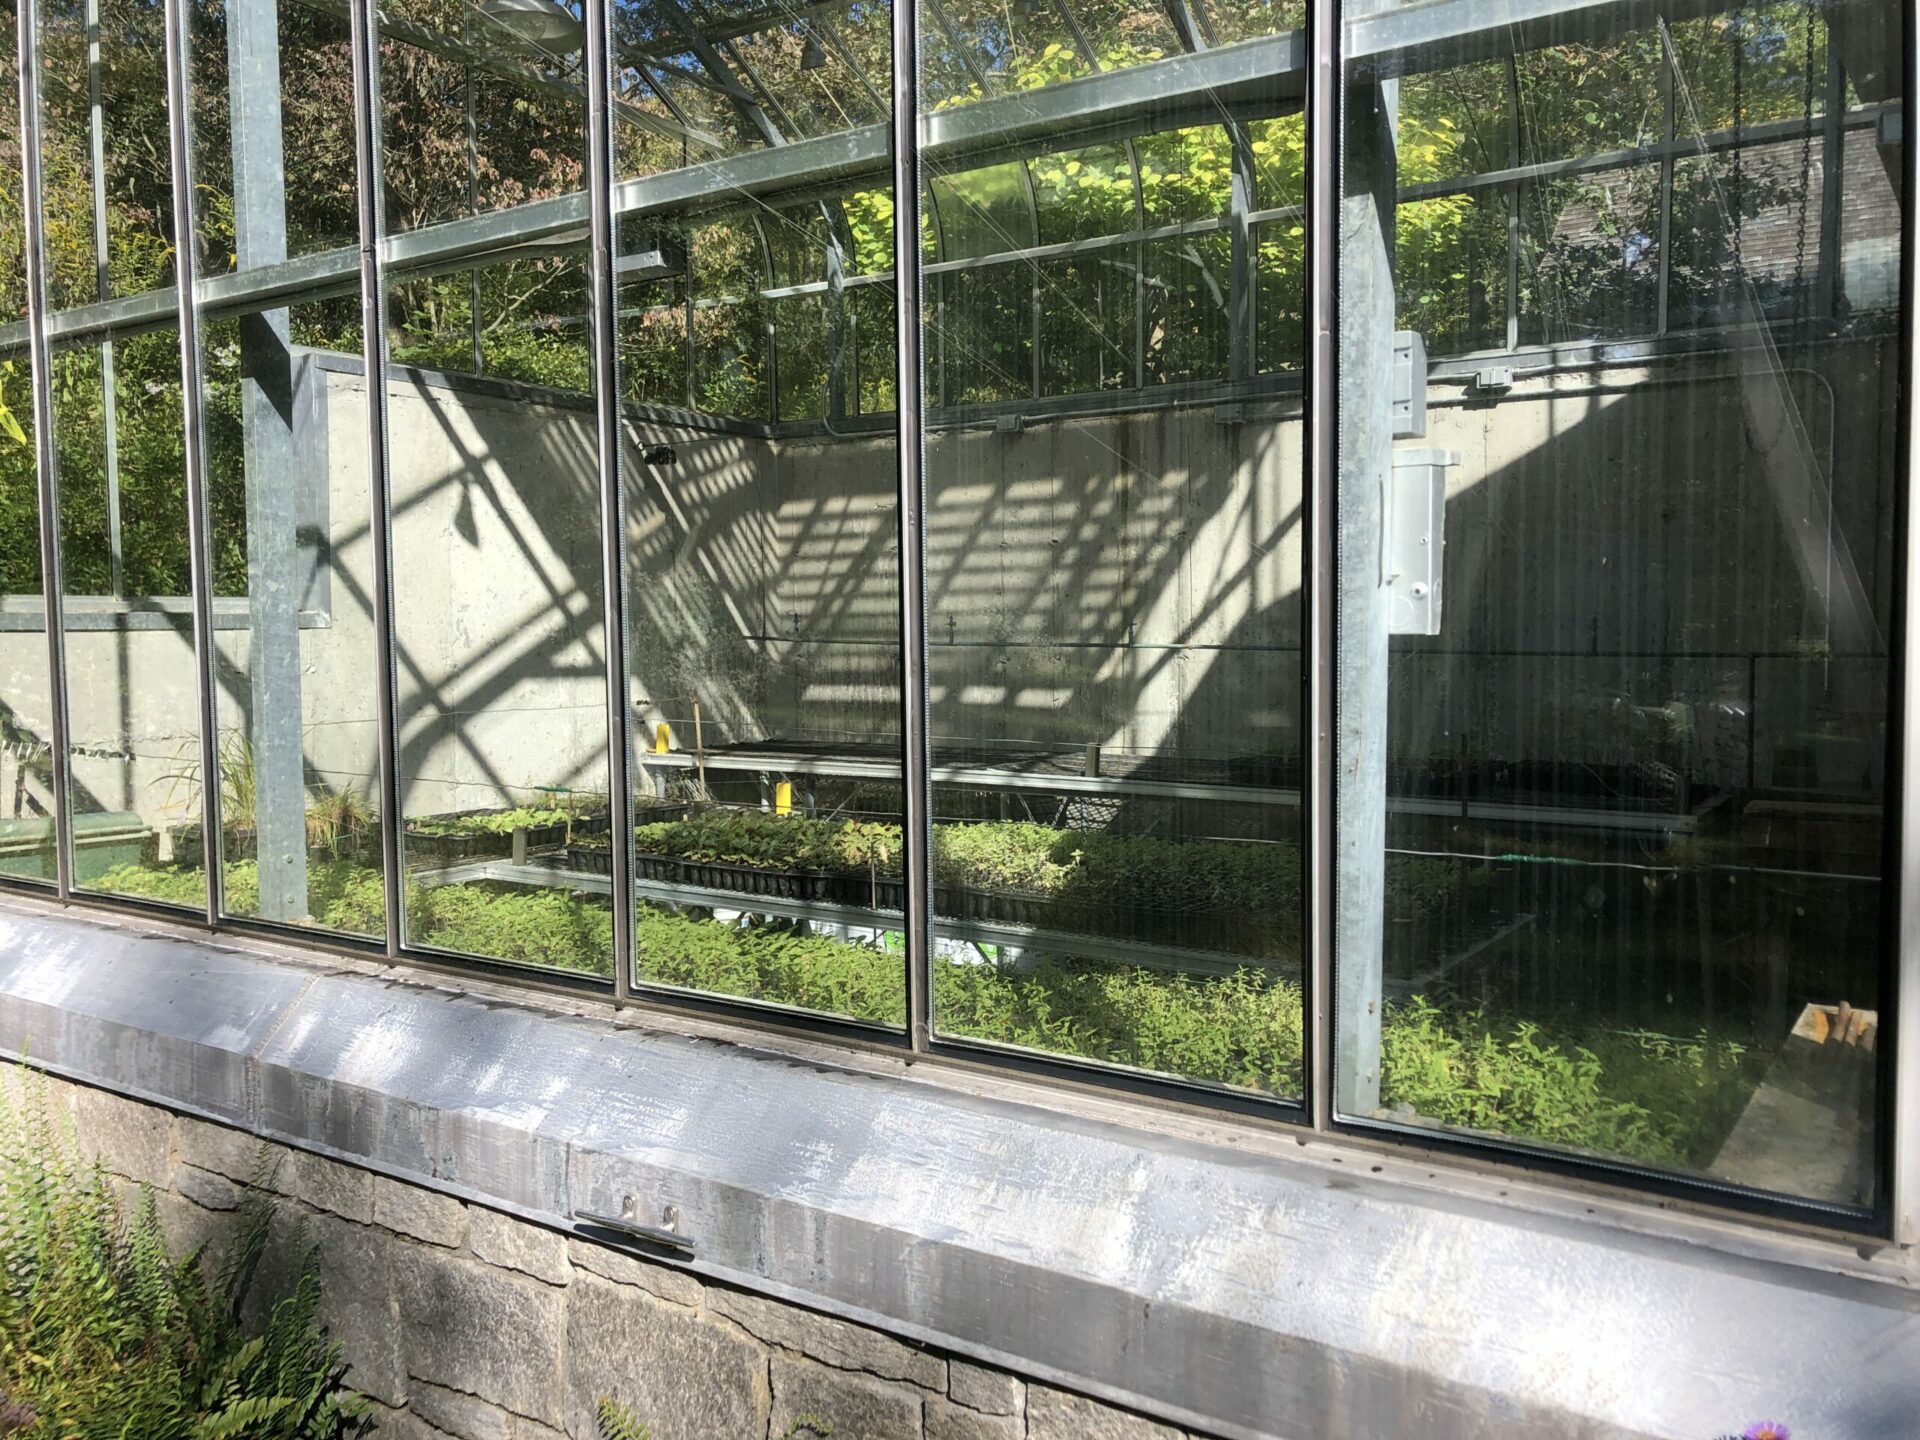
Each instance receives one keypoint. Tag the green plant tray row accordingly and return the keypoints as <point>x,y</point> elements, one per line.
<point>1233,931</point>
<point>446,849</point>
<point>245,845</point>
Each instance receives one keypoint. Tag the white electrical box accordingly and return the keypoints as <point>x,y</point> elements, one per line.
<point>1413,555</point>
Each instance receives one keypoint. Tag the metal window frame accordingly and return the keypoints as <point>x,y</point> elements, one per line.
<point>1311,69</point>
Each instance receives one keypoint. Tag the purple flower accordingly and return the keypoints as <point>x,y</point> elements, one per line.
<point>1766,1430</point>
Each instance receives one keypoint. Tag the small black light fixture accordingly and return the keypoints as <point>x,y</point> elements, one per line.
<point>813,55</point>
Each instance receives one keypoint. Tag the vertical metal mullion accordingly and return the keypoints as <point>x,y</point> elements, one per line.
<point>1665,272</point>
<point>473,208</point>
<point>1515,196</point>
<point>1833,151</point>
<point>199,557</point>
<point>1241,202</point>
<point>52,585</point>
<point>916,784</point>
<point>109,398</point>
<point>1319,676</point>
<point>613,508</point>
<point>1899,1090</point>
<point>371,221</point>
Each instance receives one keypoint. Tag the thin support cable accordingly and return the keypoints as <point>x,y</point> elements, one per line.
<point>52,583</point>
<point>916,784</point>
<point>371,220</point>
<point>199,559</point>
<point>613,509</point>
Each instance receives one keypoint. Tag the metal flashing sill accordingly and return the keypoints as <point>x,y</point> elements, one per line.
<point>1229,1277</point>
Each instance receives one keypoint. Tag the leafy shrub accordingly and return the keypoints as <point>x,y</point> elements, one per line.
<point>1641,1096</point>
<point>1652,1098</point>
<point>496,822</point>
<point>103,1333</point>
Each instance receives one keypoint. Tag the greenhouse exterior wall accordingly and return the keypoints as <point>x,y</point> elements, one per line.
<point>1071,716</point>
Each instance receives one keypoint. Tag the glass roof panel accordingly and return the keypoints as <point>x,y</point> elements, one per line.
<point>1185,175</point>
<point>1234,20</point>
<point>808,76</point>
<point>706,108</point>
<point>1084,194</point>
<point>1455,122</point>
<point>869,223</point>
<point>1125,32</point>
<point>797,241</point>
<point>1279,161</point>
<point>1781,52</point>
<point>1589,99</point>
<point>1016,44</point>
<point>984,212</point>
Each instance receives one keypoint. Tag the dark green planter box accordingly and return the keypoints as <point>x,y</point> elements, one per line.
<point>100,841</point>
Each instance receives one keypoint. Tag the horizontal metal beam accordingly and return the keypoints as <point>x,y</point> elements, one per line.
<point>27,614</point>
<point>1744,138</point>
<point>1442,34</point>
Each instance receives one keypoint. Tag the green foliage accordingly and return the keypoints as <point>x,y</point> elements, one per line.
<point>1635,1095</point>
<point>618,1422</point>
<point>105,1335</point>
<point>499,822</point>
<point>1647,1097</point>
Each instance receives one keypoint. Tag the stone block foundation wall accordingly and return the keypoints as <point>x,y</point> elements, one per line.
<point>464,1322</point>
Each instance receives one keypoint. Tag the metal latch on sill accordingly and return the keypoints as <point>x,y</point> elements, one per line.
<point>628,1227</point>
<point>1414,522</point>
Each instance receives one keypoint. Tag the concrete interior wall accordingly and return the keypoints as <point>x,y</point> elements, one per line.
<point>1132,580</point>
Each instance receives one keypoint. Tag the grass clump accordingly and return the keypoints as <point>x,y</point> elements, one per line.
<point>105,1333</point>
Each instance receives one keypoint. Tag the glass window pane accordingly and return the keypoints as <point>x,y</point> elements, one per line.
<point>119,439</point>
<point>108,181</point>
<point>1613,681</point>
<point>284,414</point>
<point>477,113</point>
<point>1114,611</point>
<point>1590,256</point>
<point>27,796</point>
<point>497,586</point>
<point>763,584</point>
<point>1450,271</point>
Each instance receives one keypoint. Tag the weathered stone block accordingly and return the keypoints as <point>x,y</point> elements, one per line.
<point>992,1391</point>
<point>205,1188</point>
<point>947,1421</point>
<point>127,1137</point>
<point>188,1227</point>
<point>662,1280</point>
<point>469,1327</point>
<point>232,1153</point>
<point>356,1304</point>
<point>466,1416</point>
<point>686,1375</point>
<point>1058,1415</point>
<point>517,1245</point>
<point>833,1342</point>
<point>423,1214</point>
<point>395,1424</point>
<point>853,1406</point>
<point>356,1299</point>
<point>326,1185</point>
